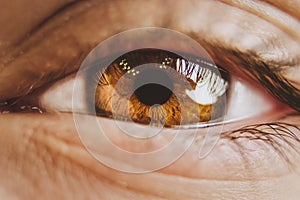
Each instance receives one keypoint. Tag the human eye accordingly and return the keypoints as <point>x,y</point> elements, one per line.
<point>260,132</point>
<point>182,88</point>
<point>200,94</point>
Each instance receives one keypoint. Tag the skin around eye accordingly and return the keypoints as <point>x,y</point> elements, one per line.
<point>38,157</point>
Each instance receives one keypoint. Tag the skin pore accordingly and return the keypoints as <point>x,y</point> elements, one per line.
<point>41,156</point>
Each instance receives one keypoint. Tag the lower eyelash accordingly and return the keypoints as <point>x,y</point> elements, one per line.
<point>275,134</point>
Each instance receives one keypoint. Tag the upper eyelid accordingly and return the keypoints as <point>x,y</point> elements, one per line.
<point>75,61</point>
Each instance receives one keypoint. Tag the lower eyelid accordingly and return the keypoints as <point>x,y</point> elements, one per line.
<point>56,135</point>
<point>229,156</point>
<point>223,163</point>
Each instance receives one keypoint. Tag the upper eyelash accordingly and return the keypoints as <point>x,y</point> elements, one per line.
<point>272,134</point>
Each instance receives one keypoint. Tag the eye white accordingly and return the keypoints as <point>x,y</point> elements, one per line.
<point>59,97</point>
<point>245,100</point>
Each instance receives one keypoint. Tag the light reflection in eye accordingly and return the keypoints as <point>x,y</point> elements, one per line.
<point>157,90</point>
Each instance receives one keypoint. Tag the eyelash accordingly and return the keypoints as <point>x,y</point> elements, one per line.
<point>272,134</point>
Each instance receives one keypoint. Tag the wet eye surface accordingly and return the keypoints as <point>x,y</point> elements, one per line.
<point>160,87</point>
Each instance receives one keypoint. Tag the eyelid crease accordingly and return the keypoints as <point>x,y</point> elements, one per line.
<point>269,13</point>
<point>29,58</point>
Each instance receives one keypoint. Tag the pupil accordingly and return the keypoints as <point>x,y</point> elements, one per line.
<point>157,87</point>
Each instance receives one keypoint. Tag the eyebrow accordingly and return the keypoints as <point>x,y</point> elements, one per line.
<point>254,65</point>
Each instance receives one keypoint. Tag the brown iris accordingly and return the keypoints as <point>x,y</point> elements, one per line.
<point>144,86</point>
